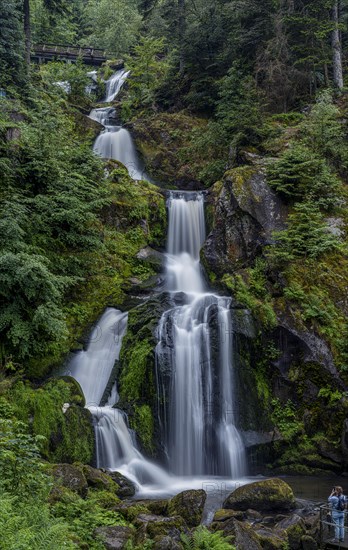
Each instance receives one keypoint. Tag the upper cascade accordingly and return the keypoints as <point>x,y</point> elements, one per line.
<point>114,84</point>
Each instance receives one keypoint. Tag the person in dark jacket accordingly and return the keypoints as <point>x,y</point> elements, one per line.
<point>337,501</point>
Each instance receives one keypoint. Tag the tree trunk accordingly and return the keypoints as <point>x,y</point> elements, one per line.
<point>337,48</point>
<point>27,31</point>
<point>181,34</point>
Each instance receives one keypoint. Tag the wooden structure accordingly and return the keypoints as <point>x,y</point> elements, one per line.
<point>41,53</point>
<point>327,530</point>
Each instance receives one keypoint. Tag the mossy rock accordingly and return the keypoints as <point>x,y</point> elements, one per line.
<point>98,479</point>
<point>74,440</point>
<point>114,537</point>
<point>71,477</point>
<point>131,509</point>
<point>270,540</point>
<point>189,505</point>
<point>126,487</point>
<point>157,527</point>
<point>271,495</point>
<point>294,528</point>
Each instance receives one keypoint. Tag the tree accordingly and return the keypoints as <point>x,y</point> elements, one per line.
<point>53,6</point>
<point>11,43</point>
<point>336,47</point>
<point>113,24</point>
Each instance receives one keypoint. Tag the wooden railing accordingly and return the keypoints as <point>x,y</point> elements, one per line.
<point>48,52</point>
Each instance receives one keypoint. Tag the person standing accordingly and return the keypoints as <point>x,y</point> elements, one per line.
<point>337,500</point>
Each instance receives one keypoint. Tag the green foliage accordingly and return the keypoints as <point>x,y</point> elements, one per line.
<point>239,108</point>
<point>285,419</point>
<point>11,44</point>
<point>300,174</point>
<point>252,292</point>
<point>325,133</point>
<point>333,397</point>
<point>112,24</point>
<point>148,69</point>
<point>84,516</point>
<point>307,236</point>
<point>72,73</point>
<point>202,539</point>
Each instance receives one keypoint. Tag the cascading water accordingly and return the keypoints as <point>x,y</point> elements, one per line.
<point>114,84</point>
<point>115,142</point>
<point>115,444</point>
<point>195,346</point>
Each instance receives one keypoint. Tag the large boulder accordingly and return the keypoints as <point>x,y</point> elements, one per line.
<point>71,477</point>
<point>270,495</point>
<point>189,505</point>
<point>114,537</point>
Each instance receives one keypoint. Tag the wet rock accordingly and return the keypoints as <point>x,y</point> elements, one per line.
<point>151,257</point>
<point>189,505</point>
<point>157,527</point>
<point>71,477</point>
<point>294,528</point>
<point>245,538</point>
<point>98,479</point>
<point>114,537</point>
<point>126,488</point>
<point>269,495</point>
<point>224,515</point>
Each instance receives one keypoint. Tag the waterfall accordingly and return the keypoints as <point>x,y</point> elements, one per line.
<point>115,142</point>
<point>196,338</point>
<point>115,443</point>
<point>114,84</point>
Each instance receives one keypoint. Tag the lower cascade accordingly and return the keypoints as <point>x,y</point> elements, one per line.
<point>198,418</point>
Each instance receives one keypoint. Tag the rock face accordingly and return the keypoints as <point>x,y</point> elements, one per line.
<point>189,505</point>
<point>114,538</point>
<point>272,495</point>
<point>246,213</point>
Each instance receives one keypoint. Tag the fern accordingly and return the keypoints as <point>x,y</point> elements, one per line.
<point>203,539</point>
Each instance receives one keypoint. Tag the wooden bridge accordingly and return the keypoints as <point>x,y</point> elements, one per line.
<point>41,53</point>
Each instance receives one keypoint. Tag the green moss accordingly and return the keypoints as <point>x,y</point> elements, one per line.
<point>133,376</point>
<point>142,423</point>
<point>67,437</point>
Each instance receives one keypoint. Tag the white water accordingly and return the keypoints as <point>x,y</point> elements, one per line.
<point>198,425</point>
<point>114,84</point>
<point>116,142</point>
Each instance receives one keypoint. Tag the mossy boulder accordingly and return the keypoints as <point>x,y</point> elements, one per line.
<point>189,505</point>
<point>157,527</point>
<point>125,487</point>
<point>99,480</point>
<point>114,537</point>
<point>273,495</point>
<point>71,477</point>
<point>167,543</point>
